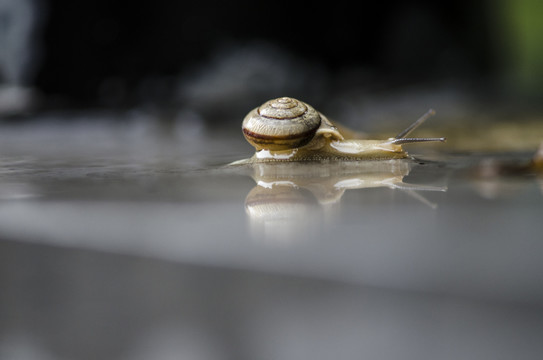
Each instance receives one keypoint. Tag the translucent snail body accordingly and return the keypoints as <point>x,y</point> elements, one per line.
<point>286,129</point>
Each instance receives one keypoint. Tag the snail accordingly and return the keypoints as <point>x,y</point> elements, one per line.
<point>286,129</point>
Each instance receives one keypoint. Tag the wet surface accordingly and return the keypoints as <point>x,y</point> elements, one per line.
<point>131,242</point>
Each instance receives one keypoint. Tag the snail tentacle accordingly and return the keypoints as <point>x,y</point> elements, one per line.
<point>414,140</point>
<point>416,124</point>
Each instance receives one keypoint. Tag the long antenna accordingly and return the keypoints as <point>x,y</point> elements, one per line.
<point>415,140</point>
<point>401,137</point>
<point>416,124</point>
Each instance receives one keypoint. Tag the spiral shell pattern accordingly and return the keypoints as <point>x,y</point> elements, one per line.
<point>281,124</point>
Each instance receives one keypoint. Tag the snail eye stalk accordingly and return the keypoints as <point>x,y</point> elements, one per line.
<point>401,137</point>
<point>415,140</point>
<point>416,124</point>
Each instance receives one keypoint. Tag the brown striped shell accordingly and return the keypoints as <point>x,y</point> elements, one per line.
<point>281,124</point>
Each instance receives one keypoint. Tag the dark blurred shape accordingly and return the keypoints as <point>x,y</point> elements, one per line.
<point>518,30</point>
<point>103,53</point>
<point>237,78</point>
<point>20,53</point>
<point>97,48</point>
<point>20,22</point>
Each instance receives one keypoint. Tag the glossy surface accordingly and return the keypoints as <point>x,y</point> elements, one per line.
<point>128,242</point>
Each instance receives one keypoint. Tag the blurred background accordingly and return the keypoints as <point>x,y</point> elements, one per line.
<point>225,58</point>
<point>121,238</point>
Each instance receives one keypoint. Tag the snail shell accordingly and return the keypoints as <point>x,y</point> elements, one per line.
<point>281,124</point>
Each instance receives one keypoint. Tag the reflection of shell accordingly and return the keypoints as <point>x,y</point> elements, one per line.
<point>278,202</point>
<point>281,213</point>
<point>281,124</point>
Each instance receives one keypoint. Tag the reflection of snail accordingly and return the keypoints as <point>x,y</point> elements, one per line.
<point>286,129</point>
<point>290,198</point>
<point>328,182</point>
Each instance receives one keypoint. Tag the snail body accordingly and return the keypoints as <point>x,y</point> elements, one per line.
<point>286,129</point>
